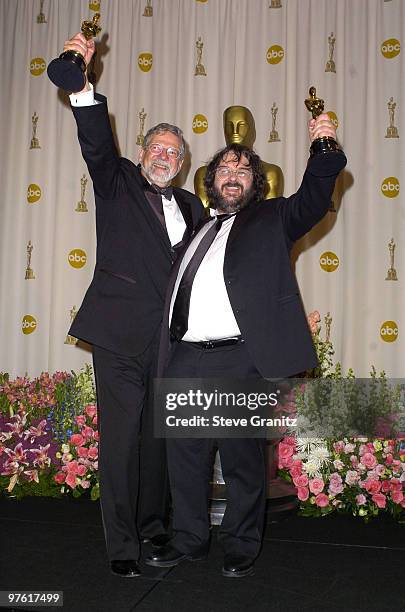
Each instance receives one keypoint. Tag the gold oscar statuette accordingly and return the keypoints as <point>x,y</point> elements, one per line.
<point>71,339</point>
<point>392,273</point>
<point>392,131</point>
<point>29,272</point>
<point>34,139</point>
<point>68,70</point>
<point>275,4</point>
<point>82,204</point>
<point>273,137</point>
<point>330,64</point>
<point>148,11</point>
<point>41,16</point>
<point>325,144</point>
<point>142,116</point>
<point>199,69</point>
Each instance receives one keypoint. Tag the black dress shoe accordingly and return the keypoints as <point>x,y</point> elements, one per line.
<point>157,541</point>
<point>237,566</point>
<point>168,556</point>
<point>127,568</point>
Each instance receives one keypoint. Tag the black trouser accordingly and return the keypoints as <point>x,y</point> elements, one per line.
<point>242,460</point>
<point>132,462</point>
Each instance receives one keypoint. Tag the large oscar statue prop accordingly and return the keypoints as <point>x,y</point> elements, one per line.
<point>68,70</point>
<point>326,143</point>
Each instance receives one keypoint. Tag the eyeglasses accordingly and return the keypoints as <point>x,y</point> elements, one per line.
<point>157,149</point>
<point>241,173</point>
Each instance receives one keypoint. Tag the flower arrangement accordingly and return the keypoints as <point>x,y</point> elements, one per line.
<point>353,475</point>
<point>79,457</point>
<point>357,475</point>
<point>39,420</point>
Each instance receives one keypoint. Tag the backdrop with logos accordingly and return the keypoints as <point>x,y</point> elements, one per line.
<point>185,61</point>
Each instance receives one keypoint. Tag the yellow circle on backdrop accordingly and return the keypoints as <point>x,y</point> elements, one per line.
<point>329,261</point>
<point>77,258</point>
<point>390,187</point>
<point>389,331</point>
<point>33,193</point>
<point>37,66</point>
<point>145,61</point>
<point>29,324</point>
<point>275,54</point>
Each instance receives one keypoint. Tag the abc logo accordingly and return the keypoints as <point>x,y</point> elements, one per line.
<point>29,324</point>
<point>275,54</point>
<point>145,61</point>
<point>37,66</point>
<point>77,258</point>
<point>390,48</point>
<point>94,5</point>
<point>333,118</point>
<point>389,331</point>
<point>33,193</point>
<point>390,187</point>
<point>329,261</point>
<point>200,124</point>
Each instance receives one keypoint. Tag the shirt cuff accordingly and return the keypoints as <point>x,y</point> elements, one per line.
<point>86,98</point>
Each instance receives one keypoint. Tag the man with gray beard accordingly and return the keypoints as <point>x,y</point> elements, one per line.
<point>234,311</point>
<point>142,223</point>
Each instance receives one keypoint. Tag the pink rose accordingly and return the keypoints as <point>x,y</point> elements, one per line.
<point>285,462</point>
<point>301,481</point>
<point>93,452</point>
<point>59,478</point>
<point>322,500</point>
<point>302,493</point>
<point>85,484</point>
<point>87,432</point>
<point>372,486</point>
<point>81,420</point>
<point>77,439</point>
<point>354,461</point>
<point>296,468</point>
<point>351,478</point>
<point>339,447</point>
<point>71,481</point>
<point>72,467</point>
<point>369,460</point>
<point>316,485</point>
<point>313,319</point>
<point>94,420</point>
<point>386,486</point>
<point>361,499</point>
<point>397,496</point>
<point>285,450</point>
<point>388,460</point>
<point>82,451</point>
<point>335,484</point>
<point>379,499</point>
<point>91,410</point>
<point>81,470</point>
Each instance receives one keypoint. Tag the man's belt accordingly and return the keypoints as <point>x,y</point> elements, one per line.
<point>211,344</point>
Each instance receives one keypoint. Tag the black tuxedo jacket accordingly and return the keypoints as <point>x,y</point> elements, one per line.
<point>261,285</point>
<point>123,306</point>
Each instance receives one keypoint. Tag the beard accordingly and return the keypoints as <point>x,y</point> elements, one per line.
<point>230,204</point>
<point>159,172</point>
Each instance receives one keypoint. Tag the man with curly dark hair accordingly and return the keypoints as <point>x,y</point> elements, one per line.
<point>234,312</point>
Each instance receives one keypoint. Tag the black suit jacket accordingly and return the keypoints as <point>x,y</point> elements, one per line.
<point>261,285</point>
<point>123,305</point>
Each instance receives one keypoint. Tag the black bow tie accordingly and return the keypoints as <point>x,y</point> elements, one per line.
<point>167,192</point>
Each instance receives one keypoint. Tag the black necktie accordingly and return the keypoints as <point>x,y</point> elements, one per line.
<point>179,322</point>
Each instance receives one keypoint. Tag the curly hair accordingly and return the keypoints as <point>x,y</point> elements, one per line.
<point>259,179</point>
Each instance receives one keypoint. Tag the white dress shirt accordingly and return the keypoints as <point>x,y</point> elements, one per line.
<point>210,315</point>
